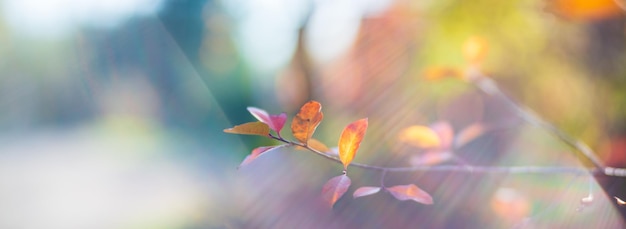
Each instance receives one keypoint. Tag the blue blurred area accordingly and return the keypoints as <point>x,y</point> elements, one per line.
<point>115,126</point>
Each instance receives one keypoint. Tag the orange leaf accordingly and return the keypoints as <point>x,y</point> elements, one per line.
<point>252,128</point>
<point>304,124</point>
<point>469,134</point>
<point>420,136</point>
<point>410,192</point>
<point>335,188</point>
<point>350,141</point>
<point>365,191</point>
<point>256,153</point>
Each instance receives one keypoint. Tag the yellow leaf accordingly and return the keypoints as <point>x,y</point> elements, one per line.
<point>419,136</point>
<point>350,141</point>
<point>306,121</point>
<point>252,128</point>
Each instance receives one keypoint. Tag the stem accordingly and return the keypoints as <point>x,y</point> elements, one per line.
<point>382,178</point>
<point>488,86</point>
<point>603,171</point>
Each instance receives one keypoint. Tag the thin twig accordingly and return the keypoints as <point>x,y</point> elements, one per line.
<point>488,86</point>
<point>604,171</point>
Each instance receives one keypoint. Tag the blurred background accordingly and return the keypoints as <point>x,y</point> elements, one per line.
<point>111,112</point>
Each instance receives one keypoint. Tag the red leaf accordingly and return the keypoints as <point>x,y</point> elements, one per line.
<point>306,121</point>
<point>410,192</point>
<point>252,128</point>
<point>365,191</point>
<point>275,122</point>
<point>256,153</point>
<point>335,188</point>
<point>350,141</point>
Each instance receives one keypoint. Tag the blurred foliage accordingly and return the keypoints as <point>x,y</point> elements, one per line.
<point>189,70</point>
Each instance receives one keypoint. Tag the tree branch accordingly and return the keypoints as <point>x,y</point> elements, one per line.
<point>603,171</point>
<point>489,87</point>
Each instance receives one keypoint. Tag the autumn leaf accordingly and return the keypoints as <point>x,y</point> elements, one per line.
<point>350,141</point>
<point>335,188</point>
<point>410,192</point>
<point>365,191</point>
<point>275,122</point>
<point>420,136</point>
<point>252,128</point>
<point>304,124</point>
<point>256,153</point>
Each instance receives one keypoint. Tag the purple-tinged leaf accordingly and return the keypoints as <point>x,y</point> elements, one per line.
<point>335,188</point>
<point>256,153</point>
<point>410,192</point>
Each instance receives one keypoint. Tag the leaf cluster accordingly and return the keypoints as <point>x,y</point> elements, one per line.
<point>303,126</point>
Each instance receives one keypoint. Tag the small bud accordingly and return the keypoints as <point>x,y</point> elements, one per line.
<point>620,202</point>
<point>587,200</point>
